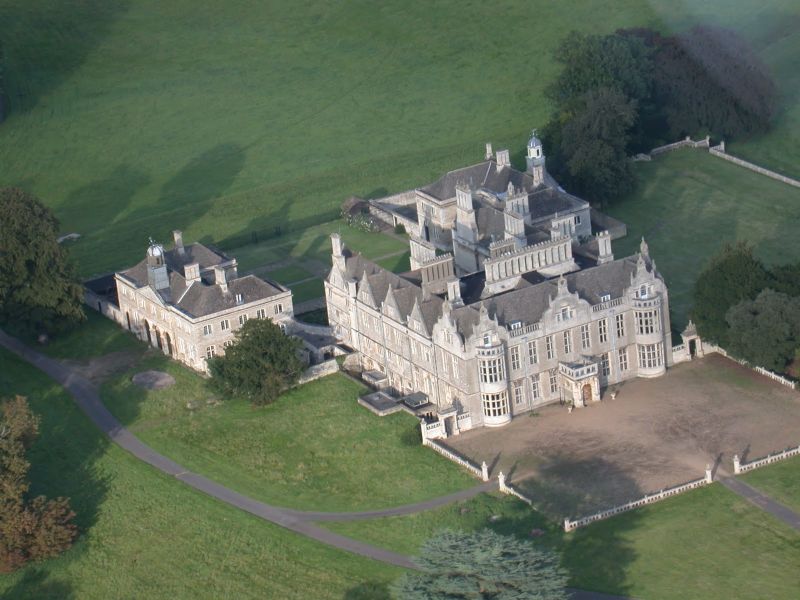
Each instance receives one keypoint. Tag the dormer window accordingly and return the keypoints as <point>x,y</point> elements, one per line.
<point>487,339</point>
<point>565,313</point>
<point>239,299</point>
<point>605,298</point>
<point>515,325</point>
<point>643,291</point>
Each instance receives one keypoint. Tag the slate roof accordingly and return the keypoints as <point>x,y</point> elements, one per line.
<point>199,298</point>
<point>482,175</point>
<point>526,303</point>
<point>545,202</point>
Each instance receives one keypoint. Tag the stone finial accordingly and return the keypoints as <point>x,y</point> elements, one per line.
<point>708,473</point>
<point>501,480</point>
<point>644,249</point>
<point>484,471</point>
<point>737,465</point>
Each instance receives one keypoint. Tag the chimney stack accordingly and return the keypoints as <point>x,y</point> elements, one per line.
<point>604,253</point>
<point>177,235</point>
<point>220,279</point>
<point>454,292</point>
<point>503,159</point>
<point>488,155</point>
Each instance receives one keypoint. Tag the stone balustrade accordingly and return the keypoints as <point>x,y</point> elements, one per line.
<point>453,456</point>
<point>739,467</point>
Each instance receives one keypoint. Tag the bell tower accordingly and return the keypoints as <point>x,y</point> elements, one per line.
<point>535,159</point>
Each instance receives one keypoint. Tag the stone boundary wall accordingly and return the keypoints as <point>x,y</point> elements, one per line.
<point>453,456</point>
<point>708,347</point>
<point>686,142</point>
<point>616,228</point>
<point>739,467</point>
<point>104,307</point>
<point>648,499</point>
<point>680,353</point>
<point>318,371</point>
<point>720,152</point>
<point>505,488</point>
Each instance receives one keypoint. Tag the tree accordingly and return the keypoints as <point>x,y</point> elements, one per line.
<point>765,331</point>
<point>731,276</point>
<point>786,279</point>
<point>709,80</point>
<point>30,529</point>
<point>259,365</point>
<point>591,157</point>
<point>38,288</point>
<point>482,565</point>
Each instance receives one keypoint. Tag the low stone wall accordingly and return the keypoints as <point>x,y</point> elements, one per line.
<point>680,353</point>
<point>506,488</point>
<point>719,151</point>
<point>318,371</point>
<point>648,499</point>
<point>739,467</point>
<point>104,307</point>
<point>686,142</point>
<point>452,455</point>
<point>616,228</point>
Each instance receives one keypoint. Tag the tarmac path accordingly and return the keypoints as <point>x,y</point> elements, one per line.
<point>88,400</point>
<point>762,501</point>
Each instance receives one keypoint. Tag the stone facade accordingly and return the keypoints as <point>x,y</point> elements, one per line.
<point>189,301</point>
<point>532,324</point>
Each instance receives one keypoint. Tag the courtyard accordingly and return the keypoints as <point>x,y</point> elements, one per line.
<point>655,434</point>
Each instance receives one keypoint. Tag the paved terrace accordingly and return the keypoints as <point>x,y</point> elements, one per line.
<point>657,433</point>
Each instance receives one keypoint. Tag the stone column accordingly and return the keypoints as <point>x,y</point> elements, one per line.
<point>501,480</point>
<point>484,471</point>
<point>708,474</point>
<point>737,467</point>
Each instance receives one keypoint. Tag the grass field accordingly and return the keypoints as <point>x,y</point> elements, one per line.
<point>315,448</point>
<point>145,535</point>
<point>689,203</point>
<point>780,481</point>
<point>132,119</point>
<point>705,544</point>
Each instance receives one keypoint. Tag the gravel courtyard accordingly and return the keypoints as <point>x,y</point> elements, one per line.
<point>655,434</point>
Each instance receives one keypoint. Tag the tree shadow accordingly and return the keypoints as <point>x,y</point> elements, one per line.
<point>35,584</point>
<point>101,202</point>
<point>369,590</point>
<point>45,42</point>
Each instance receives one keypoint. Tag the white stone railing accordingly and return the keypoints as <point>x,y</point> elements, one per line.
<point>570,525</point>
<point>523,330</point>
<point>687,141</point>
<point>739,467</point>
<point>606,305</point>
<point>708,347</point>
<point>453,456</point>
<point>506,488</point>
<point>720,152</point>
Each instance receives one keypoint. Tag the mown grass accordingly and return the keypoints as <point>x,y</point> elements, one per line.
<point>132,119</point>
<point>689,203</point>
<point>704,544</point>
<point>289,274</point>
<point>315,448</point>
<point>780,481</point>
<point>145,535</point>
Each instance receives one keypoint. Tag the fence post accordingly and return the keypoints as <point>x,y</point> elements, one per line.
<point>737,467</point>
<point>501,480</point>
<point>485,471</point>
<point>708,473</point>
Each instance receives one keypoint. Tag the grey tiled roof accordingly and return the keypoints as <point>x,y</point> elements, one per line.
<point>483,175</point>
<point>200,299</point>
<point>544,202</point>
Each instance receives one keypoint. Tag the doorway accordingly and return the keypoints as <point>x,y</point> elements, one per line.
<point>587,393</point>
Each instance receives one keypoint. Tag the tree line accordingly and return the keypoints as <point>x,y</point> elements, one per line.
<point>751,311</point>
<point>635,89</point>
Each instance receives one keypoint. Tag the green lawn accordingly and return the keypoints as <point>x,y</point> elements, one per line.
<point>145,535</point>
<point>307,291</point>
<point>132,119</point>
<point>314,243</point>
<point>289,274</point>
<point>706,544</point>
<point>315,448</point>
<point>397,264</point>
<point>690,203</point>
<point>780,481</point>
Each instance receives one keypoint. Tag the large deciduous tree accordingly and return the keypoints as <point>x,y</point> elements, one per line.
<point>38,289</point>
<point>733,275</point>
<point>483,565</point>
<point>591,155</point>
<point>260,364</point>
<point>710,80</point>
<point>765,331</point>
<point>30,529</point>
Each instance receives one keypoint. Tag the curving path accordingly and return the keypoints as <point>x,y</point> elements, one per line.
<point>88,400</point>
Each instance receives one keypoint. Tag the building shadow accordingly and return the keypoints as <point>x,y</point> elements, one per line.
<point>369,590</point>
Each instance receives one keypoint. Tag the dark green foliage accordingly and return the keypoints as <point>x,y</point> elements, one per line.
<point>786,279</point>
<point>765,331</point>
<point>591,154</point>
<point>483,565</point>
<point>400,229</point>
<point>29,529</point>
<point>260,364</point>
<point>730,277</point>
<point>38,289</point>
<point>709,80</point>
<point>2,85</point>
<point>591,62</point>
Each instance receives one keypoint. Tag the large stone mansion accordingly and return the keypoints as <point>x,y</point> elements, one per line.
<point>511,303</point>
<point>188,301</point>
